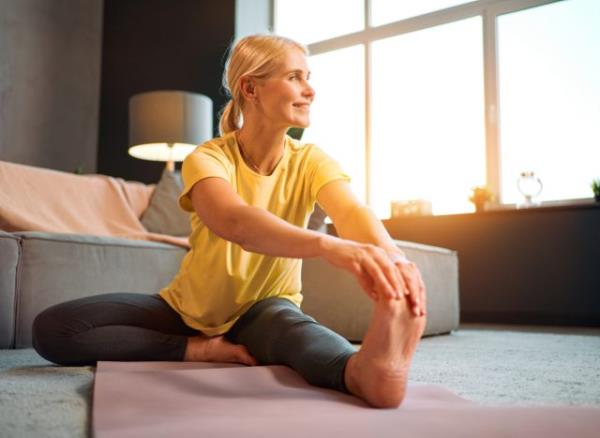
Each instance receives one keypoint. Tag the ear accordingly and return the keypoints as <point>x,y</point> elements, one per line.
<point>248,88</point>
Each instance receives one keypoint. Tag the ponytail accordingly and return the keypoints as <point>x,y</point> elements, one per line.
<point>230,118</point>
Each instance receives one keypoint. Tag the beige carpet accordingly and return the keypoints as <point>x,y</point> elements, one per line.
<point>491,365</point>
<point>514,365</point>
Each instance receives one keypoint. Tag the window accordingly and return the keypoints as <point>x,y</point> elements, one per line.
<point>386,11</point>
<point>455,94</point>
<point>428,138</point>
<point>549,94</point>
<point>338,76</point>
<point>308,21</point>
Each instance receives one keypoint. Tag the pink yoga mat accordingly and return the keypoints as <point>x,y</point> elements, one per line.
<point>159,399</point>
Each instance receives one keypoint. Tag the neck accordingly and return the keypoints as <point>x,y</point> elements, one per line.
<point>263,148</point>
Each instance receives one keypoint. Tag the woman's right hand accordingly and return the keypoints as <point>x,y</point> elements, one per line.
<point>370,264</point>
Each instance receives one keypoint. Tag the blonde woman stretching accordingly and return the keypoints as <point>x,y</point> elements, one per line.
<point>237,295</point>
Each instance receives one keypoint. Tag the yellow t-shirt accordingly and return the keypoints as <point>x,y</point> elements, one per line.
<point>218,281</point>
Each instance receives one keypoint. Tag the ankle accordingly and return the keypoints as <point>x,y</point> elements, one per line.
<point>350,376</point>
<point>195,349</point>
<point>187,356</point>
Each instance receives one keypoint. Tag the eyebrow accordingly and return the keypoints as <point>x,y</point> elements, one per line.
<point>298,70</point>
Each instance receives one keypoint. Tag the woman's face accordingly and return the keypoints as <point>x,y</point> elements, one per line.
<point>284,98</point>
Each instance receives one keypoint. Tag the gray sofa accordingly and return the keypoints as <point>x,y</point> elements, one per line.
<point>38,270</point>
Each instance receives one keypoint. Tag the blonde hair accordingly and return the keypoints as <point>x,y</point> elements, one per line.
<point>257,56</point>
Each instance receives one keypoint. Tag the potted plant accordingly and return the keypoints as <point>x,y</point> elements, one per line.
<point>596,189</point>
<point>480,195</point>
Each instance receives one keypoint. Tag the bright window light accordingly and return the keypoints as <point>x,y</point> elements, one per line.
<point>428,136</point>
<point>308,21</point>
<point>549,82</point>
<point>387,11</point>
<point>338,112</point>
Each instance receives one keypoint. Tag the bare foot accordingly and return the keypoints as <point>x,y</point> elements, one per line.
<point>216,349</point>
<point>378,372</point>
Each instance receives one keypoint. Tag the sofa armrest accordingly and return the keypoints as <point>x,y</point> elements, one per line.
<point>9,261</point>
<point>335,299</point>
<point>59,267</point>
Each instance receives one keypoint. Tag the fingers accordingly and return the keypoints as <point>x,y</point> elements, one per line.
<point>380,279</point>
<point>423,295</point>
<point>384,273</point>
<point>381,282</point>
<point>367,285</point>
<point>399,262</point>
<point>416,287</point>
<point>378,275</point>
<point>408,272</point>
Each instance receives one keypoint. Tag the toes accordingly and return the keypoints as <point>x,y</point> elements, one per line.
<point>245,357</point>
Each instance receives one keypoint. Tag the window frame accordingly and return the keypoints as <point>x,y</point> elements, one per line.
<point>489,10</point>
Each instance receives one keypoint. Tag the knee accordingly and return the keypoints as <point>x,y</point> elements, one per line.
<point>279,315</point>
<point>45,335</point>
<point>290,327</point>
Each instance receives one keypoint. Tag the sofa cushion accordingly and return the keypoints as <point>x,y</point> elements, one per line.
<point>316,221</point>
<point>9,259</point>
<point>37,199</point>
<point>163,214</point>
<point>59,267</point>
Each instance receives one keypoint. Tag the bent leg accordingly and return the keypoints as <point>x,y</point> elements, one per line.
<point>276,332</point>
<point>114,326</point>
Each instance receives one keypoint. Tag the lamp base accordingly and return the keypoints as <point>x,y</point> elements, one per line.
<point>171,166</point>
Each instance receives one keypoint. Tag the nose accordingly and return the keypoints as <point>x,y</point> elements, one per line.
<point>308,92</point>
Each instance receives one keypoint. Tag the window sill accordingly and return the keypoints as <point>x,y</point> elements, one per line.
<point>550,206</point>
<point>573,204</point>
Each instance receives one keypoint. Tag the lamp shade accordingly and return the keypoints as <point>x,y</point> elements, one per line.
<point>168,125</point>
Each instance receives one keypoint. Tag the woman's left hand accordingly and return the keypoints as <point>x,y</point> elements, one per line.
<point>414,287</point>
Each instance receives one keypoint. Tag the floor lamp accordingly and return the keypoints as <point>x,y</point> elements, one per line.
<point>168,125</point>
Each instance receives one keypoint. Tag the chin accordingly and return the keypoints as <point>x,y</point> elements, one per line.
<point>300,124</point>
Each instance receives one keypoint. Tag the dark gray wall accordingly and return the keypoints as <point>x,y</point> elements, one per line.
<point>50,55</point>
<point>539,266</point>
<point>157,45</point>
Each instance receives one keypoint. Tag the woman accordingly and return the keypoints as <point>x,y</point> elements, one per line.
<point>237,295</point>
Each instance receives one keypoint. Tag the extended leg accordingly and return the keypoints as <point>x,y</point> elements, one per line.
<point>276,332</point>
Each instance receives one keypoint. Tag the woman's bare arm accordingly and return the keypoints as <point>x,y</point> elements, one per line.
<point>355,221</point>
<point>352,219</point>
<point>254,229</point>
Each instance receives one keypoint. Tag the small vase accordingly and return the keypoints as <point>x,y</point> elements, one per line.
<point>479,207</point>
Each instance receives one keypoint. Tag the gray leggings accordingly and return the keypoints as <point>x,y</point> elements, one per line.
<point>139,327</point>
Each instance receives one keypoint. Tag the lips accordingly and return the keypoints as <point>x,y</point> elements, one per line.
<point>301,105</point>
